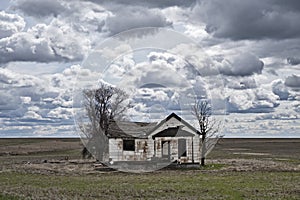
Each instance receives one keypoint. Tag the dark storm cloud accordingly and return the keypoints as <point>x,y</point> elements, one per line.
<point>251,19</point>
<point>293,61</point>
<point>293,5</point>
<point>292,81</point>
<point>242,65</point>
<point>149,4</point>
<point>39,8</point>
<point>135,17</point>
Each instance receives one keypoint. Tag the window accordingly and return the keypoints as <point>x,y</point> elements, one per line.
<point>128,145</point>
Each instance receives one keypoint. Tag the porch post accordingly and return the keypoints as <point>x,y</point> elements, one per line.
<point>154,148</point>
<point>192,149</point>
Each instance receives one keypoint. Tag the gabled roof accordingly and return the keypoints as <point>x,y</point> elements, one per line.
<point>179,119</point>
<point>126,129</point>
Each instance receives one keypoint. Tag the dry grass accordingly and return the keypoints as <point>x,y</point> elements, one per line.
<point>237,169</point>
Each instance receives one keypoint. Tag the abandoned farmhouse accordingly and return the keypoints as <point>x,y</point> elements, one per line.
<point>171,140</point>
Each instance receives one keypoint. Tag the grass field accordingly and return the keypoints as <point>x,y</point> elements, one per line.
<point>236,169</point>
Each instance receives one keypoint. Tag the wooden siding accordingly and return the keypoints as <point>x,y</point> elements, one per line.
<point>116,152</point>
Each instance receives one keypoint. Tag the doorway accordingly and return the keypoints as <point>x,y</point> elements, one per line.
<point>181,148</point>
<point>166,150</point>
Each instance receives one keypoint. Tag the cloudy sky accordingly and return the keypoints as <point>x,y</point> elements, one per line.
<point>243,55</point>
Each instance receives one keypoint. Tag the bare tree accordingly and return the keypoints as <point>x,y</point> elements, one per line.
<point>101,105</point>
<point>208,127</point>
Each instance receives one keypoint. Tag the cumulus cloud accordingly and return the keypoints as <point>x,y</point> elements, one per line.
<point>160,68</point>
<point>245,64</point>
<point>249,19</point>
<point>10,24</point>
<point>177,63</point>
<point>46,97</point>
<point>162,80</point>
<point>251,101</point>
<point>60,113</point>
<point>157,74</point>
<point>197,58</point>
<point>292,81</point>
<point>286,111</point>
<point>160,100</point>
<point>86,17</point>
<point>44,43</point>
<point>76,70</point>
<point>64,31</point>
<point>83,16</point>
<point>32,115</point>
<point>240,83</point>
<point>280,89</point>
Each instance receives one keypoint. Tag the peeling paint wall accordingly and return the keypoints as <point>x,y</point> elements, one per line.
<point>144,149</point>
<point>116,152</point>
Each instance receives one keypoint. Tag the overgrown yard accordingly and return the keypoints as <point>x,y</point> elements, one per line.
<point>264,172</point>
<point>158,185</point>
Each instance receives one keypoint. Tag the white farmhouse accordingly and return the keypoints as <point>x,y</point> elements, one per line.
<point>171,140</point>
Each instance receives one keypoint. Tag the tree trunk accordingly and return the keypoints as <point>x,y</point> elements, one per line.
<point>202,162</point>
<point>203,150</point>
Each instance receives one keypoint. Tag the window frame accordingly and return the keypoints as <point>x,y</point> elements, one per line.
<point>128,144</point>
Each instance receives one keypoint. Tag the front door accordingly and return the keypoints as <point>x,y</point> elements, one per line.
<point>181,148</point>
<point>165,153</point>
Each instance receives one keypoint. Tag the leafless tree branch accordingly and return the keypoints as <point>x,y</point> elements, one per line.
<point>208,127</point>
<point>102,105</point>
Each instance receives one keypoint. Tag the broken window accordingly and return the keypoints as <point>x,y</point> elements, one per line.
<point>128,145</point>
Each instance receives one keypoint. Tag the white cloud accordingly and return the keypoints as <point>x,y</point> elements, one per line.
<point>76,70</point>
<point>32,115</point>
<point>25,100</point>
<point>86,17</point>
<point>63,32</point>
<point>60,113</point>
<point>280,89</point>
<point>235,82</point>
<point>44,43</point>
<point>161,69</point>
<point>198,58</point>
<point>10,24</point>
<point>30,96</point>
<point>251,100</point>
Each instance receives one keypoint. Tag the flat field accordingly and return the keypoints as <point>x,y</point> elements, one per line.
<point>236,169</point>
